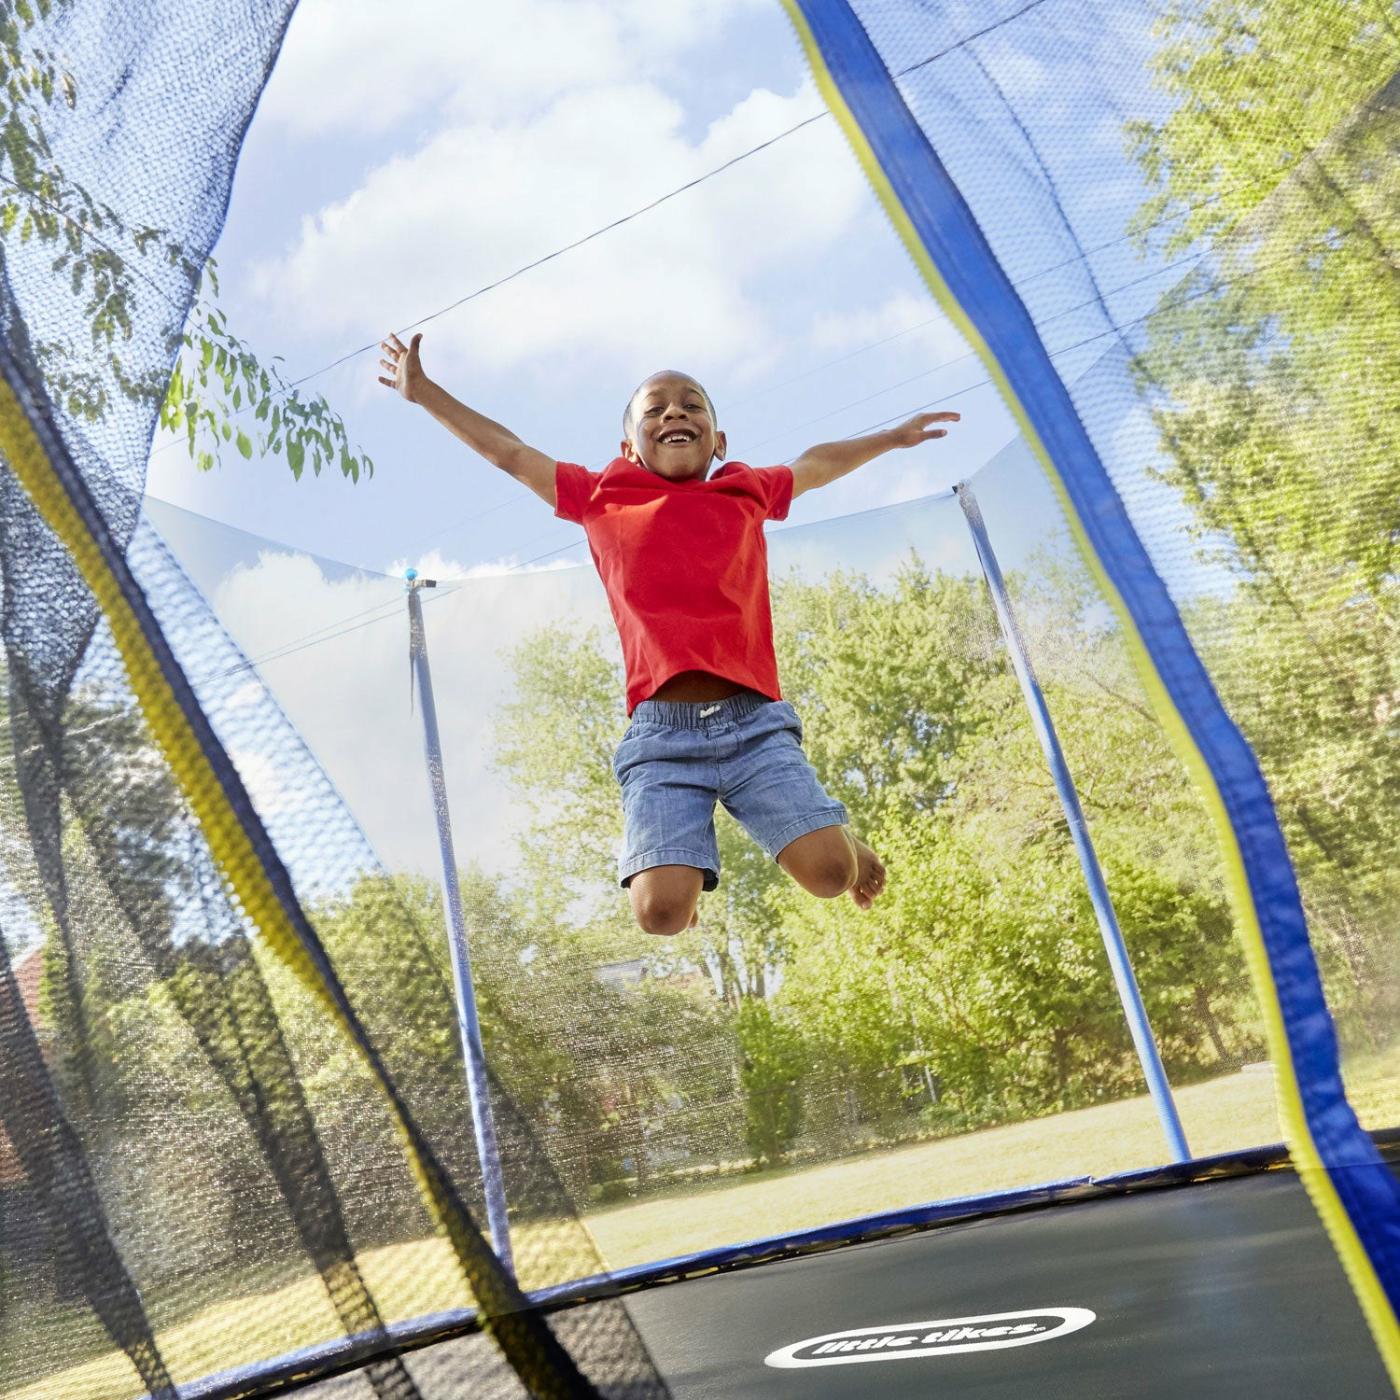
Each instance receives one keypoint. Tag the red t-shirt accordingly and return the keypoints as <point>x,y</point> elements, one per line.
<point>685,566</point>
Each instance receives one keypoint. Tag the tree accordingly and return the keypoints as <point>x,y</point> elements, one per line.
<point>771,1067</point>
<point>556,741</point>
<point>587,1071</point>
<point>891,683</point>
<point>218,392</point>
<point>1273,374</point>
<point>980,980</point>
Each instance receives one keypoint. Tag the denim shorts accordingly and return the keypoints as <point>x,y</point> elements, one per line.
<point>677,759</point>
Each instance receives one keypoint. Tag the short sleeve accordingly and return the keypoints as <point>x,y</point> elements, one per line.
<point>573,485</point>
<point>775,491</point>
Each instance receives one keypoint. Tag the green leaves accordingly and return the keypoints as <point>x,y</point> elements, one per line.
<point>1274,376</point>
<point>237,399</point>
<point>100,260</point>
<point>977,990</point>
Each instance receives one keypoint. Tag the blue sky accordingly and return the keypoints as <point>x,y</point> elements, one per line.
<point>396,166</point>
<point>400,160</point>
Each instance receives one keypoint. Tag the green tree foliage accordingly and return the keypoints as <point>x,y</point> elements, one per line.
<point>590,1067</point>
<point>978,990</point>
<point>1274,376</point>
<point>771,1065</point>
<point>556,741</point>
<point>890,683</point>
<point>218,392</point>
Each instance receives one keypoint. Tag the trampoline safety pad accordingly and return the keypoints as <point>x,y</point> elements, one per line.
<point>1219,1290</point>
<point>1223,1289</point>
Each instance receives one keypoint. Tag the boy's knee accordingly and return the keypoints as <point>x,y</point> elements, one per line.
<point>664,907</point>
<point>661,915</point>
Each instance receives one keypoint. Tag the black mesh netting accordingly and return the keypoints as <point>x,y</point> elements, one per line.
<point>200,1173</point>
<point>1199,205</point>
<point>199,1170</point>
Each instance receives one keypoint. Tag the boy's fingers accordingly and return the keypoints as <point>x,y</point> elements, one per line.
<point>395,343</point>
<point>392,383</point>
<point>389,365</point>
<point>413,348</point>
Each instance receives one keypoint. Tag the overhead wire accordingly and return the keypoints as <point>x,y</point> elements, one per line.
<point>656,203</point>
<point>502,504</point>
<point>453,587</point>
<point>1022,282</point>
<point>1195,259</point>
<point>1019,283</point>
<point>314,639</point>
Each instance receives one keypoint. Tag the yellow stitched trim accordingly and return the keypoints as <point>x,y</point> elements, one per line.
<point>1355,1261</point>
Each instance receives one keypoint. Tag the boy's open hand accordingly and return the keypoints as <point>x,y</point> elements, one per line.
<point>402,362</point>
<point>919,429</point>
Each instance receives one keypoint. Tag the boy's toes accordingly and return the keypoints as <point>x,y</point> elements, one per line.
<point>870,876</point>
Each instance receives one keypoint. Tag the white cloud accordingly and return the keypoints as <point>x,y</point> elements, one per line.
<point>348,695</point>
<point>918,323</point>
<point>348,68</point>
<point>437,566</point>
<point>478,200</point>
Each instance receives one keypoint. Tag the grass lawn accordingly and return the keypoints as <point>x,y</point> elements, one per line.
<point>1234,1111</point>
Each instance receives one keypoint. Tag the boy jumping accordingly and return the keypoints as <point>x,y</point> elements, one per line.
<point>682,555</point>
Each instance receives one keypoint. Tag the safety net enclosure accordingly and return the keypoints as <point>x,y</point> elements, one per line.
<point>1120,712</point>
<point>181,1048</point>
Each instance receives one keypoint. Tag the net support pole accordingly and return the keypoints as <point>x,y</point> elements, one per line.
<point>1117,950</point>
<point>468,1025</point>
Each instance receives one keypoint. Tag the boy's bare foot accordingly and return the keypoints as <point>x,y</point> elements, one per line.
<point>870,875</point>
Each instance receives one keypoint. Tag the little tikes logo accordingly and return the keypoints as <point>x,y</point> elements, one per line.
<point>954,1334</point>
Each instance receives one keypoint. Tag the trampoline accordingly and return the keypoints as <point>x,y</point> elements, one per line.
<point>1211,1290</point>
<point>1208,1281</point>
<point>259,1137</point>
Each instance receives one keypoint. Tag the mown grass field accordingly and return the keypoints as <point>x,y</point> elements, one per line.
<point>409,1280</point>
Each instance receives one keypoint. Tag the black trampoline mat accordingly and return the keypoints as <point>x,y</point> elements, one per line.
<point>1223,1289</point>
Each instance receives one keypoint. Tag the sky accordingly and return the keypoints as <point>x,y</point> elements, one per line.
<point>331,645</point>
<point>392,169</point>
<point>395,166</point>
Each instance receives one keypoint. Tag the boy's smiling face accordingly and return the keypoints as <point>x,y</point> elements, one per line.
<point>670,427</point>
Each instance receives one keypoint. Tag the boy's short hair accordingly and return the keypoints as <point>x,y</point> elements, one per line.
<point>679,374</point>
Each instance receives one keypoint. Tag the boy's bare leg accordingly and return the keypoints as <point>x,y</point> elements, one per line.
<point>831,861</point>
<point>664,898</point>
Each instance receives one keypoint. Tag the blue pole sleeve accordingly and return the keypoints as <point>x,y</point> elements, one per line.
<point>468,1026</point>
<point>1117,950</point>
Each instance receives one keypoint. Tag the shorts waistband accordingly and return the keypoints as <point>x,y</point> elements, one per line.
<point>699,714</point>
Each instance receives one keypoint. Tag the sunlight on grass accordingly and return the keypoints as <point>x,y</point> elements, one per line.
<point>410,1280</point>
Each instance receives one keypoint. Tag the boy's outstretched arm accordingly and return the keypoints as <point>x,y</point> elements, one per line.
<point>823,464</point>
<point>483,435</point>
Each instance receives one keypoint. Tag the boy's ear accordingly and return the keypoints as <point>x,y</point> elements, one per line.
<point>629,451</point>
<point>721,446</point>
